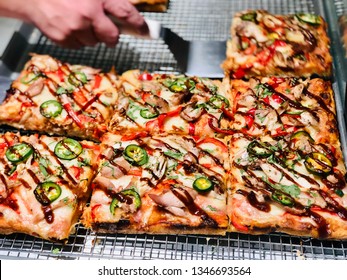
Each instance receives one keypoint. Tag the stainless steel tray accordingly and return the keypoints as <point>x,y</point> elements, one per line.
<point>189,19</point>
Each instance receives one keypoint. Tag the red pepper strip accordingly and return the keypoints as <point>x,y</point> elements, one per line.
<point>265,56</point>
<point>239,226</point>
<point>14,176</point>
<point>94,208</point>
<point>76,171</point>
<point>191,129</point>
<point>227,113</point>
<point>73,115</point>
<point>3,145</point>
<point>160,120</point>
<point>132,136</point>
<point>215,142</point>
<point>275,81</point>
<point>135,172</point>
<point>97,81</point>
<point>145,77</point>
<point>239,73</point>
<point>219,130</point>
<point>60,75</point>
<point>91,101</point>
<point>249,121</point>
<point>251,111</point>
<point>266,100</point>
<point>277,98</point>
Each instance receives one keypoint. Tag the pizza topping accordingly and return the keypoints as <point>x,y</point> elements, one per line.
<point>125,198</point>
<point>19,152</point>
<point>258,150</point>
<point>30,77</point>
<point>283,198</point>
<point>77,79</point>
<point>180,84</point>
<point>47,192</point>
<point>251,16</point>
<point>219,101</point>
<point>202,184</point>
<point>51,109</point>
<point>68,149</point>
<point>135,155</point>
<point>309,18</point>
<point>318,164</point>
<point>147,113</point>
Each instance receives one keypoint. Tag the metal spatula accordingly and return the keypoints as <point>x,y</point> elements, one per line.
<point>194,58</point>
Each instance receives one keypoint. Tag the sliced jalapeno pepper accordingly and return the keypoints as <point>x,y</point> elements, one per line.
<point>30,77</point>
<point>251,16</point>
<point>258,150</point>
<point>300,134</point>
<point>148,114</point>
<point>218,101</point>
<point>77,79</point>
<point>68,149</point>
<point>309,18</point>
<point>19,152</point>
<point>318,164</point>
<point>135,155</point>
<point>180,84</point>
<point>47,192</point>
<point>122,197</point>
<point>283,198</point>
<point>51,109</point>
<point>203,184</point>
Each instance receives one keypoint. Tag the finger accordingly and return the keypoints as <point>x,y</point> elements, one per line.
<point>105,30</point>
<point>86,37</point>
<point>123,10</point>
<point>70,43</point>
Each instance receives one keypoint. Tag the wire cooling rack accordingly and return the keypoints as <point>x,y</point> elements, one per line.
<point>193,20</point>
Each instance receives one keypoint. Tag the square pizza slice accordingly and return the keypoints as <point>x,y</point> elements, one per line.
<point>263,44</point>
<point>281,106</point>
<point>57,98</point>
<point>162,103</point>
<point>287,167</point>
<point>151,5</point>
<point>44,184</point>
<point>160,185</point>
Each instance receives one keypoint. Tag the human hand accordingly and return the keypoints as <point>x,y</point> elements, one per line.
<point>77,23</point>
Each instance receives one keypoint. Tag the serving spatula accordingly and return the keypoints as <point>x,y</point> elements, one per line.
<point>194,58</point>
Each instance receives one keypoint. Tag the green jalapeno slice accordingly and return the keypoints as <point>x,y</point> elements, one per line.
<point>318,164</point>
<point>51,109</point>
<point>203,184</point>
<point>47,192</point>
<point>68,149</point>
<point>19,152</point>
<point>283,198</point>
<point>136,199</point>
<point>135,155</point>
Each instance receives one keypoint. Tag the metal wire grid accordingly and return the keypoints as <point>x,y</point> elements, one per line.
<point>193,20</point>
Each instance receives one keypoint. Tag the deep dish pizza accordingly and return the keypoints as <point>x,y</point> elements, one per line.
<point>287,168</point>
<point>160,184</point>
<point>264,44</point>
<point>44,184</point>
<point>58,98</point>
<point>158,103</point>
